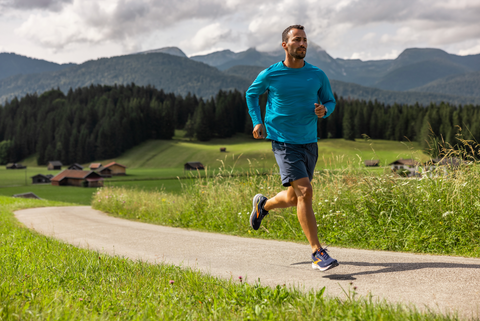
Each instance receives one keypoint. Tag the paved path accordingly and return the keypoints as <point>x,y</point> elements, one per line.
<point>441,283</point>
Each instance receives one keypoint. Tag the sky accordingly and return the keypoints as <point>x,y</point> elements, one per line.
<point>75,31</point>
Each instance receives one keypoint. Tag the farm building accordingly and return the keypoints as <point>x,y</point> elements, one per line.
<point>27,195</point>
<point>95,166</point>
<point>15,166</point>
<point>451,162</point>
<point>76,166</point>
<point>115,168</point>
<point>54,165</point>
<point>104,172</point>
<point>371,163</point>
<point>71,177</point>
<point>39,179</point>
<point>409,165</point>
<point>193,166</point>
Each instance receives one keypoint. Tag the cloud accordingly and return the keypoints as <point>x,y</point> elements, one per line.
<point>126,21</point>
<point>347,28</point>
<point>52,5</point>
<point>208,37</point>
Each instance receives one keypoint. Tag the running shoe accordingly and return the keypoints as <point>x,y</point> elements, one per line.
<point>322,261</point>
<point>258,213</point>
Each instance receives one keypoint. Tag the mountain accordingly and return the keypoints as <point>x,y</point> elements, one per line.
<point>13,64</point>
<point>356,91</point>
<point>164,71</point>
<point>418,74</point>
<point>466,84</point>
<point>217,58</point>
<point>174,51</point>
<point>414,67</point>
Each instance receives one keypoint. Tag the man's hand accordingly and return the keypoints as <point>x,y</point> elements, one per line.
<point>259,131</point>
<point>320,110</point>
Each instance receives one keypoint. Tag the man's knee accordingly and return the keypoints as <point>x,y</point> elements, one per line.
<point>304,191</point>
<point>292,200</point>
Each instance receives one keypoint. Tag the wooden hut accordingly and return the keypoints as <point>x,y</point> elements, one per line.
<point>70,177</point>
<point>76,167</point>
<point>15,166</point>
<point>193,166</point>
<point>54,165</point>
<point>41,179</point>
<point>104,172</point>
<point>95,166</point>
<point>372,163</point>
<point>116,168</point>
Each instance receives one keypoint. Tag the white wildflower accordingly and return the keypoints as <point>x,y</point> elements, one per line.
<point>447,213</point>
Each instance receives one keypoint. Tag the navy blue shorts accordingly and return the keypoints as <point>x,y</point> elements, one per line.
<point>295,160</point>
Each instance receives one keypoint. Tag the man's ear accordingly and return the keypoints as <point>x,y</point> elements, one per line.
<point>284,45</point>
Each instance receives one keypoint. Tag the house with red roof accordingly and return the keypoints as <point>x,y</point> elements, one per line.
<point>70,177</point>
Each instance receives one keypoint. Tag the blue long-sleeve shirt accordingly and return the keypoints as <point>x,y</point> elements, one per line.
<point>292,93</point>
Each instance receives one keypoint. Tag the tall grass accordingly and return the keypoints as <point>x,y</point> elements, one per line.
<point>439,213</point>
<point>45,279</point>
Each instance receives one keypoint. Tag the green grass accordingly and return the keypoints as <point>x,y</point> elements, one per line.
<point>439,215</point>
<point>44,279</point>
<point>149,164</point>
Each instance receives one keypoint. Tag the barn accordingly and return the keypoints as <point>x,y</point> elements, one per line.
<point>40,179</point>
<point>71,177</point>
<point>54,165</point>
<point>193,166</point>
<point>116,168</point>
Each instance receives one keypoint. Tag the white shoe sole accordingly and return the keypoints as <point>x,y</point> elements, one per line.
<point>328,267</point>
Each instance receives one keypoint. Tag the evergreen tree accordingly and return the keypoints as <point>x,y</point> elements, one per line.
<point>202,123</point>
<point>348,125</point>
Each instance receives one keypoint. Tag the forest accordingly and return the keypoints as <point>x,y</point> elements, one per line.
<point>101,122</point>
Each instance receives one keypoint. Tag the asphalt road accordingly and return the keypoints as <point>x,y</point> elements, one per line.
<point>439,283</point>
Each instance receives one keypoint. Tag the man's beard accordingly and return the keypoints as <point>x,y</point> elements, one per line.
<point>298,55</point>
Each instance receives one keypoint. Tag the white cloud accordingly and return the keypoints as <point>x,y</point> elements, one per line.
<point>207,37</point>
<point>345,28</point>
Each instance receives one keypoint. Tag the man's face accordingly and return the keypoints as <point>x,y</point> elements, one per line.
<point>296,45</point>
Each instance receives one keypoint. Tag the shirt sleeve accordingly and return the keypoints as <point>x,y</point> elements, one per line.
<point>326,96</point>
<point>258,87</point>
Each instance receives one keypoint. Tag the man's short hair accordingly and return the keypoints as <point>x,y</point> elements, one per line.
<point>286,31</point>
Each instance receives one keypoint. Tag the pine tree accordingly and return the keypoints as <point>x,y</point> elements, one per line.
<point>202,123</point>
<point>348,125</point>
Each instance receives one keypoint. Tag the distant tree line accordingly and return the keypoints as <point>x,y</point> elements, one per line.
<point>101,122</point>
<point>355,118</point>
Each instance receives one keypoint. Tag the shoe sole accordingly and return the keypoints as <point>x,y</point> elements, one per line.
<point>252,216</point>
<point>328,267</point>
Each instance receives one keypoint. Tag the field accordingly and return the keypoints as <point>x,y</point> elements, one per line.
<point>45,279</point>
<point>157,164</point>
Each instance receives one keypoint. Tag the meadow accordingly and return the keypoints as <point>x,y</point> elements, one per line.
<point>42,278</point>
<point>437,214</point>
<point>157,165</point>
<point>45,279</point>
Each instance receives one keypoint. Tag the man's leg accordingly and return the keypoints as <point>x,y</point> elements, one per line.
<point>304,192</point>
<point>284,199</point>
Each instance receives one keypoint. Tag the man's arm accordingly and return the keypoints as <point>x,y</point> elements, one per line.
<point>327,99</point>
<point>258,87</point>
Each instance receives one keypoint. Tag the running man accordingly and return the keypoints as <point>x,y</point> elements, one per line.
<point>294,89</point>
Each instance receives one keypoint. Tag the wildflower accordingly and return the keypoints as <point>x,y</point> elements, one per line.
<point>81,299</point>
<point>447,213</point>
<point>171,281</point>
<point>240,278</point>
